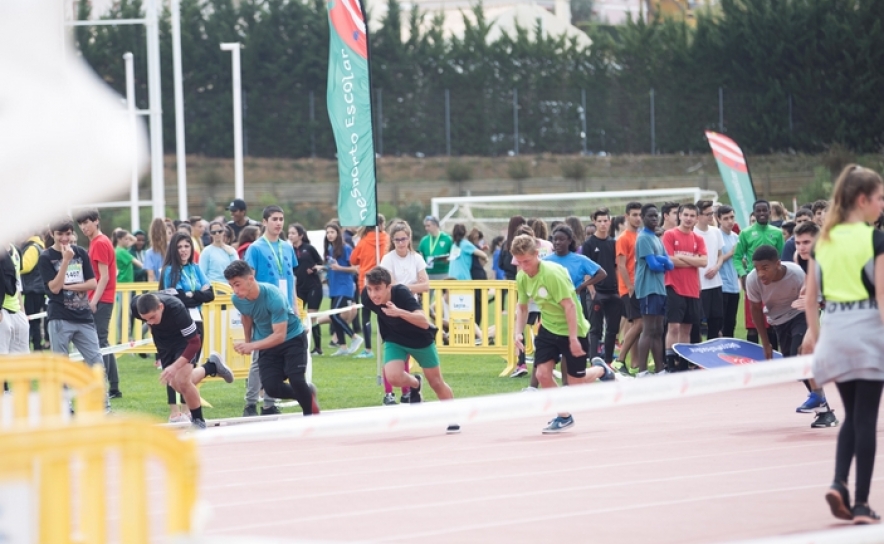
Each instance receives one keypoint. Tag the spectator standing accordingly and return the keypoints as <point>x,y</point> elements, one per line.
<point>626,263</point>
<point>730,283</point>
<point>341,280</point>
<point>247,237</point>
<point>126,262</point>
<point>156,253</point>
<point>239,220</point>
<point>138,250</point>
<point>309,284</point>
<point>435,247</point>
<point>13,320</point>
<point>217,256</point>
<point>604,306</point>
<point>711,294</point>
<point>34,292</point>
<point>373,241</point>
<point>801,216</point>
<point>652,263</point>
<point>101,300</point>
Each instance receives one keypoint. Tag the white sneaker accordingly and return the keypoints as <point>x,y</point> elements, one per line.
<point>529,390</point>
<point>557,374</point>
<point>355,344</point>
<point>180,418</point>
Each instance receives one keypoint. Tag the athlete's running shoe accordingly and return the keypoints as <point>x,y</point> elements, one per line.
<point>180,418</point>
<point>356,343</point>
<point>270,411</point>
<point>198,424</point>
<point>838,498</point>
<point>609,372</point>
<point>454,428</point>
<point>221,369</point>
<point>390,399</point>
<point>814,403</point>
<point>314,404</point>
<point>863,515</point>
<point>520,370</point>
<point>416,397</point>
<point>558,424</point>
<point>825,419</point>
<point>365,355</point>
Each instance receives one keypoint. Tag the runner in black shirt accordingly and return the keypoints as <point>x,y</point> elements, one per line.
<point>605,307</point>
<point>406,331</point>
<point>178,344</point>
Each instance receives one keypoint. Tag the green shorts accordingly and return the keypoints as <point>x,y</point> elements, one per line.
<point>426,357</point>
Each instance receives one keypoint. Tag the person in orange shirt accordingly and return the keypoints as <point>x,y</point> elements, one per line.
<point>626,272</point>
<point>373,244</point>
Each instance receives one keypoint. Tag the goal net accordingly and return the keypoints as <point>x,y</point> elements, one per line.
<point>491,214</point>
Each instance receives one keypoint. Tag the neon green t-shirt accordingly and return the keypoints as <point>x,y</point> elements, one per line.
<point>548,288</point>
<point>125,268</point>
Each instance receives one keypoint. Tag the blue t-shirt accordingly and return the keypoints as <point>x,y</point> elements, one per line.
<point>578,266</point>
<point>460,260</point>
<point>268,308</point>
<point>153,261</point>
<point>648,282</point>
<point>728,272</point>
<point>341,284</point>
<point>214,260</point>
<point>191,279</point>
<point>498,273</point>
<point>273,263</point>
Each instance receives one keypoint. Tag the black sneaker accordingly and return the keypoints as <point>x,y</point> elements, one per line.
<point>838,498</point>
<point>454,428</point>
<point>115,394</point>
<point>270,411</point>
<point>389,399</point>
<point>405,398</point>
<point>316,351</point>
<point>415,395</point>
<point>249,411</point>
<point>825,419</point>
<point>863,515</point>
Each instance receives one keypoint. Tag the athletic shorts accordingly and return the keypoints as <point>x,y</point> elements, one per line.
<point>681,309</point>
<point>653,304</point>
<point>712,301</point>
<point>631,308</point>
<point>426,357</point>
<point>552,347</point>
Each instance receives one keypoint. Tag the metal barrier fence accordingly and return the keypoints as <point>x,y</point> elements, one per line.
<point>55,377</point>
<point>451,306</point>
<point>55,487</point>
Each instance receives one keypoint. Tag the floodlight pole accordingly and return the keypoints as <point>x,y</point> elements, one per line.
<point>180,154</point>
<point>239,185</point>
<point>130,106</point>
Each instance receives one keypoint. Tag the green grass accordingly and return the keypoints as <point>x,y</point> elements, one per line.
<point>343,382</point>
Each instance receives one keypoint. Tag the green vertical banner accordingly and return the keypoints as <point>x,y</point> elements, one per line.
<point>349,109</point>
<point>735,173</point>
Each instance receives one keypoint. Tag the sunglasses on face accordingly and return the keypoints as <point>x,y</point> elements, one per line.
<point>400,240</point>
<point>217,232</point>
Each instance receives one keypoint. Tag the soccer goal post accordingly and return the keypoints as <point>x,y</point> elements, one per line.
<point>491,213</point>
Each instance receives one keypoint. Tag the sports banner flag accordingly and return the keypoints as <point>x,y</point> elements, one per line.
<point>735,174</point>
<point>722,353</point>
<point>349,109</point>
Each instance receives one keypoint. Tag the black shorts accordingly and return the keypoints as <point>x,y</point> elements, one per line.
<point>681,309</point>
<point>790,334</point>
<point>552,347</point>
<point>712,301</point>
<point>533,317</point>
<point>288,358</point>
<point>631,309</point>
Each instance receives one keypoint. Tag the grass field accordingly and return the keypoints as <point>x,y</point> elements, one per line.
<point>343,382</point>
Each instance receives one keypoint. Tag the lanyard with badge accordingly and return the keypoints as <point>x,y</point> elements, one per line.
<point>277,255</point>
<point>193,285</point>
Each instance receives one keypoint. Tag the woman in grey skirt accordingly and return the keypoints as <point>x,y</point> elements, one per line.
<point>849,348</point>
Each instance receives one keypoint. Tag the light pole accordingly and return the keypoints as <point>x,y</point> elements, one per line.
<point>134,208</point>
<point>238,184</point>
<point>180,155</point>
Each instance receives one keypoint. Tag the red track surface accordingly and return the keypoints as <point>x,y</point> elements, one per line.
<point>703,469</point>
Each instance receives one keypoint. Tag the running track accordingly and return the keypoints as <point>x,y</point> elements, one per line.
<point>716,468</point>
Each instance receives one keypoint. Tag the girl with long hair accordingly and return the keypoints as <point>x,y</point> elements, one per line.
<point>218,255</point>
<point>341,288</point>
<point>849,262</point>
<point>246,237</point>
<point>308,282</point>
<point>183,276</point>
<point>159,243</point>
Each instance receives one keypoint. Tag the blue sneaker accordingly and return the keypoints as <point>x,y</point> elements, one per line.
<point>365,355</point>
<point>609,372</point>
<point>813,404</point>
<point>558,424</point>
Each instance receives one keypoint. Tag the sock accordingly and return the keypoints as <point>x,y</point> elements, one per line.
<point>211,368</point>
<point>196,413</point>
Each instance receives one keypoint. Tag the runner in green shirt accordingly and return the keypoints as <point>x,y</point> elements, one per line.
<point>563,329</point>
<point>435,247</point>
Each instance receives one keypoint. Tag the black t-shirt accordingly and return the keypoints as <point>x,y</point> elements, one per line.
<point>176,327</point>
<point>603,252</point>
<point>308,257</point>
<point>67,305</point>
<point>237,229</point>
<point>396,329</point>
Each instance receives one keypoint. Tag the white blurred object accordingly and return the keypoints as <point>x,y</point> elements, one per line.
<point>65,138</point>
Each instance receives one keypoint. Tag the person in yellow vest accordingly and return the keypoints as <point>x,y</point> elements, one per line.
<point>33,290</point>
<point>13,321</point>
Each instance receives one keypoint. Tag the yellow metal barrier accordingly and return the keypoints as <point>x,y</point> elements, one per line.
<point>51,373</point>
<point>451,306</point>
<point>52,472</point>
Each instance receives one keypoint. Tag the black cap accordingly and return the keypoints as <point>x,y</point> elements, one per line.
<point>237,204</point>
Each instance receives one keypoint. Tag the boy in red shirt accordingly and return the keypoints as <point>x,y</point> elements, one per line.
<point>101,300</point>
<point>688,253</point>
